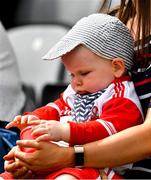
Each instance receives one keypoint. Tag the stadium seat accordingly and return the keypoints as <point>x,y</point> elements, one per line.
<point>30,43</point>
<point>65,12</point>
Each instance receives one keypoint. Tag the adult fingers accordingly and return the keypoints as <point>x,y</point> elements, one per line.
<point>23,173</point>
<point>10,155</point>
<point>27,158</point>
<point>28,143</point>
<point>11,166</point>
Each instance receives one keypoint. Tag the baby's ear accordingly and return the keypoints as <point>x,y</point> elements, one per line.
<point>118,66</point>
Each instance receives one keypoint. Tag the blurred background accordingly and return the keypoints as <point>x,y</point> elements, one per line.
<point>7,12</point>
<point>33,27</point>
<point>67,12</point>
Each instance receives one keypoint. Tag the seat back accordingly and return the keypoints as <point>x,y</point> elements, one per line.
<point>66,12</point>
<point>51,92</point>
<point>30,43</point>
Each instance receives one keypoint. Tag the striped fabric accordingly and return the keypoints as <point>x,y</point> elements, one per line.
<point>103,34</point>
<point>119,90</point>
<point>140,170</point>
<point>142,82</point>
<point>108,126</point>
<point>83,105</point>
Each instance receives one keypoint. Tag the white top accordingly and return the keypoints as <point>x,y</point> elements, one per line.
<point>12,98</point>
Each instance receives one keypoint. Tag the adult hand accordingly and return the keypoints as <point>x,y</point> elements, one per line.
<point>16,167</point>
<point>46,158</point>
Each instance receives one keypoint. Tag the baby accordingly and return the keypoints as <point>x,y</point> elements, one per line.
<point>101,98</point>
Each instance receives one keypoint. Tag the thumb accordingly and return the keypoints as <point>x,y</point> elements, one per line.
<point>10,155</point>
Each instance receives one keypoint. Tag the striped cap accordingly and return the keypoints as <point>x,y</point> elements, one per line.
<point>103,34</point>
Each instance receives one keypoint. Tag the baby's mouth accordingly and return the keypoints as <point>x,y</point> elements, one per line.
<point>82,92</point>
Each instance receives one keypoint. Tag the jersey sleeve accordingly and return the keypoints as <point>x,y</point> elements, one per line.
<point>117,114</point>
<point>49,112</point>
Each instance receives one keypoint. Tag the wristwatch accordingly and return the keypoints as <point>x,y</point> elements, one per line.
<point>79,156</point>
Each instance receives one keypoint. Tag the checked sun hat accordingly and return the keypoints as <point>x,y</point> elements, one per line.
<point>103,34</point>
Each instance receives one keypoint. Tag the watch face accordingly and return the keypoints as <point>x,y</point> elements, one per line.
<point>79,156</point>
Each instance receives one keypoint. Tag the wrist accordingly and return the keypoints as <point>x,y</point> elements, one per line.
<point>65,132</point>
<point>68,157</point>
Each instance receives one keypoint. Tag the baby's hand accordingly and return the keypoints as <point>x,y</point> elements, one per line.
<point>21,121</point>
<point>51,131</point>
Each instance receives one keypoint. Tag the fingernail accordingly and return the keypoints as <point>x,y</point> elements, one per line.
<point>17,141</point>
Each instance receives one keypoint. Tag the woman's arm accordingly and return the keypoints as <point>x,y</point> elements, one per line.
<point>126,146</point>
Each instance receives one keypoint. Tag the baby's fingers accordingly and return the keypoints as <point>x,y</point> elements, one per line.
<point>14,123</point>
<point>24,119</point>
<point>44,137</point>
<point>34,122</point>
<point>32,118</point>
<point>39,131</point>
<point>11,124</point>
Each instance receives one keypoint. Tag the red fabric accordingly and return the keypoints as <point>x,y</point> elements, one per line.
<point>48,112</point>
<point>6,175</point>
<point>85,173</point>
<point>122,113</point>
<point>145,81</point>
<point>81,133</point>
<point>26,134</point>
<point>121,79</point>
<point>45,112</point>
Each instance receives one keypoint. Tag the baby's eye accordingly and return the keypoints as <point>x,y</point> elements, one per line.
<point>71,75</point>
<point>85,73</point>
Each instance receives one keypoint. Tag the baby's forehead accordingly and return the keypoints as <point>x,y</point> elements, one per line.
<point>83,48</point>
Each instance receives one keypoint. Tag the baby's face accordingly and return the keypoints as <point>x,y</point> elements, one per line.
<point>89,72</point>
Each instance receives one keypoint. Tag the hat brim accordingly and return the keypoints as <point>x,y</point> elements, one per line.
<point>61,48</point>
